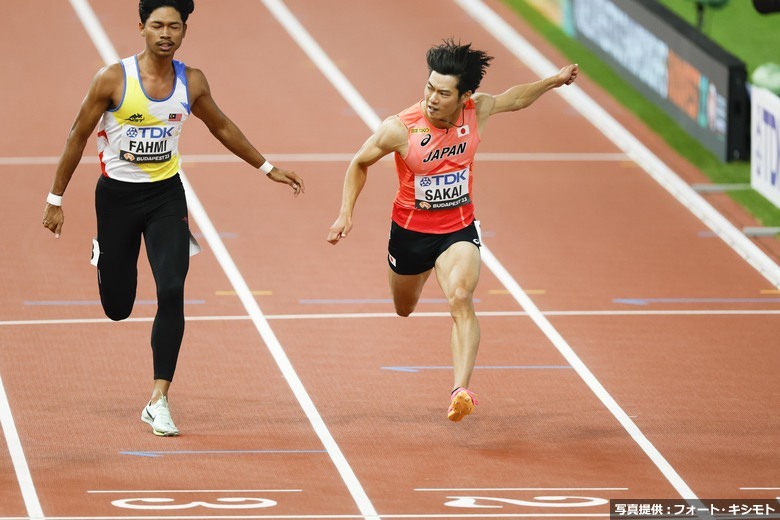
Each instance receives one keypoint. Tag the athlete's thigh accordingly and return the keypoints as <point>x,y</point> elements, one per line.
<point>406,288</point>
<point>411,257</point>
<point>118,267</point>
<point>167,239</point>
<point>119,231</point>
<point>458,268</point>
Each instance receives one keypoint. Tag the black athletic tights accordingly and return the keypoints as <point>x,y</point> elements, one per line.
<point>158,212</point>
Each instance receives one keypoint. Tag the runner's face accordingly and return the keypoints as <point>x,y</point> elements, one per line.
<point>442,101</point>
<point>164,31</point>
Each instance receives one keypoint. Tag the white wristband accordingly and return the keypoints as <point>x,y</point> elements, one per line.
<point>54,200</point>
<point>266,167</point>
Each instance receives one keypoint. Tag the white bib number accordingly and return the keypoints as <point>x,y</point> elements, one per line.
<point>148,144</point>
<point>442,191</point>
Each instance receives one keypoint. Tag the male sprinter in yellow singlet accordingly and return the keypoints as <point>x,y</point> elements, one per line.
<point>433,225</point>
<point>141,104</point>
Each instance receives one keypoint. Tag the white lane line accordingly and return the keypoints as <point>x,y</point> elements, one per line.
<point>449,516</point>
<point>551,157</point>
<point>584,372</point>
<point>92,25</point>
<point>129,491</point>
<point>355,100</point>
<point>278,353</point>
<point>528,489</point>
<point>203,221</point>
<point>416,315</point>
<point>342,158</point>
<point>18,459</point>
<point>658,170</point>
<point>624,140</point>
<point>321,60</point>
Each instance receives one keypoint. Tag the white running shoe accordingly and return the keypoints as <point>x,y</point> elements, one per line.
<point>158,415</point>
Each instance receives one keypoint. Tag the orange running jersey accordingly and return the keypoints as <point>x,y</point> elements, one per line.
<point>434,192</point>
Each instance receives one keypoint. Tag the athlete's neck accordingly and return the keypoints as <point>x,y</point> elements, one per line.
<point>157,74</point>
<point>446,124</point>
<point>157,66</point>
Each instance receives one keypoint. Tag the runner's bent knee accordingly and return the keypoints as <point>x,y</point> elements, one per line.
<point>170,291</point>
<point>404,309</point>
<point>117,309</point>
<point>461,302</point>
<point>404,302</point>
<point>117,287</point>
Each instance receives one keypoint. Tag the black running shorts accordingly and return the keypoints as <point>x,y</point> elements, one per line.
<point>412,252</point>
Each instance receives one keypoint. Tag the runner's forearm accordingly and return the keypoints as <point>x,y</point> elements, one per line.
<point>354,182</point>
<point>69,161</point>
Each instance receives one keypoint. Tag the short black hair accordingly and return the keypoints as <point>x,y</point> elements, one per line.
<point>147,7</point>
<point>452,59</point>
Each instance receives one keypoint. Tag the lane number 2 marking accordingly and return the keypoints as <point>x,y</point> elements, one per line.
<point>543,501</point>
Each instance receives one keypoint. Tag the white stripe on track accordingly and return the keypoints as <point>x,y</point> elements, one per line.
<point>277,351</point>
<point>350,94</point>
<point>416,315</point>
<point>18,459</point>
<point>624,140</point>
<point>528,489</point>
<point>321,60</point>
<point>343,158</point>
<point>213,239</point>
<point>414,516</point>
<point>529,55</point>
<point>584,372</point>
<point>99,37</point>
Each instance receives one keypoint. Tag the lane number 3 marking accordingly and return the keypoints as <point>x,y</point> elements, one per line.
<point>167,504</point>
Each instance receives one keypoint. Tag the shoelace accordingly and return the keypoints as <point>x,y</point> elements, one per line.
<point>164,413</point>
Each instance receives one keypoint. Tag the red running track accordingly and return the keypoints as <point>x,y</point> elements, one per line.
<point>652,313</point>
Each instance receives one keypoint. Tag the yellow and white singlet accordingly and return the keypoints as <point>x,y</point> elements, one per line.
<point>138,141</point>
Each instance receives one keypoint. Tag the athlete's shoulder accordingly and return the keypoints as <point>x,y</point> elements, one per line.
<point>483,102</point>
<point>193,72</point>
<point>107,81</point>
<point>391,134</point>
<point>112,72</point>
<point>196,81</point>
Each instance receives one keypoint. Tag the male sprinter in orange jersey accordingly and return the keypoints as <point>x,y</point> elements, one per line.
<point>142,102</point>
<point>433,225</point>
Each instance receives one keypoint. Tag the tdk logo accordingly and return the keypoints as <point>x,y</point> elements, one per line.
<point>150,132</point>
<point>155,132</point>
<point>447,179</point>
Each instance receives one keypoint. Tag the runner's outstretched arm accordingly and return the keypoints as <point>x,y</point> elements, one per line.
<point>389,137</point>
<point>225,130</point>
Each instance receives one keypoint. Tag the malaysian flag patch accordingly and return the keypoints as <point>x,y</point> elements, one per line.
<point>174,117</point>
